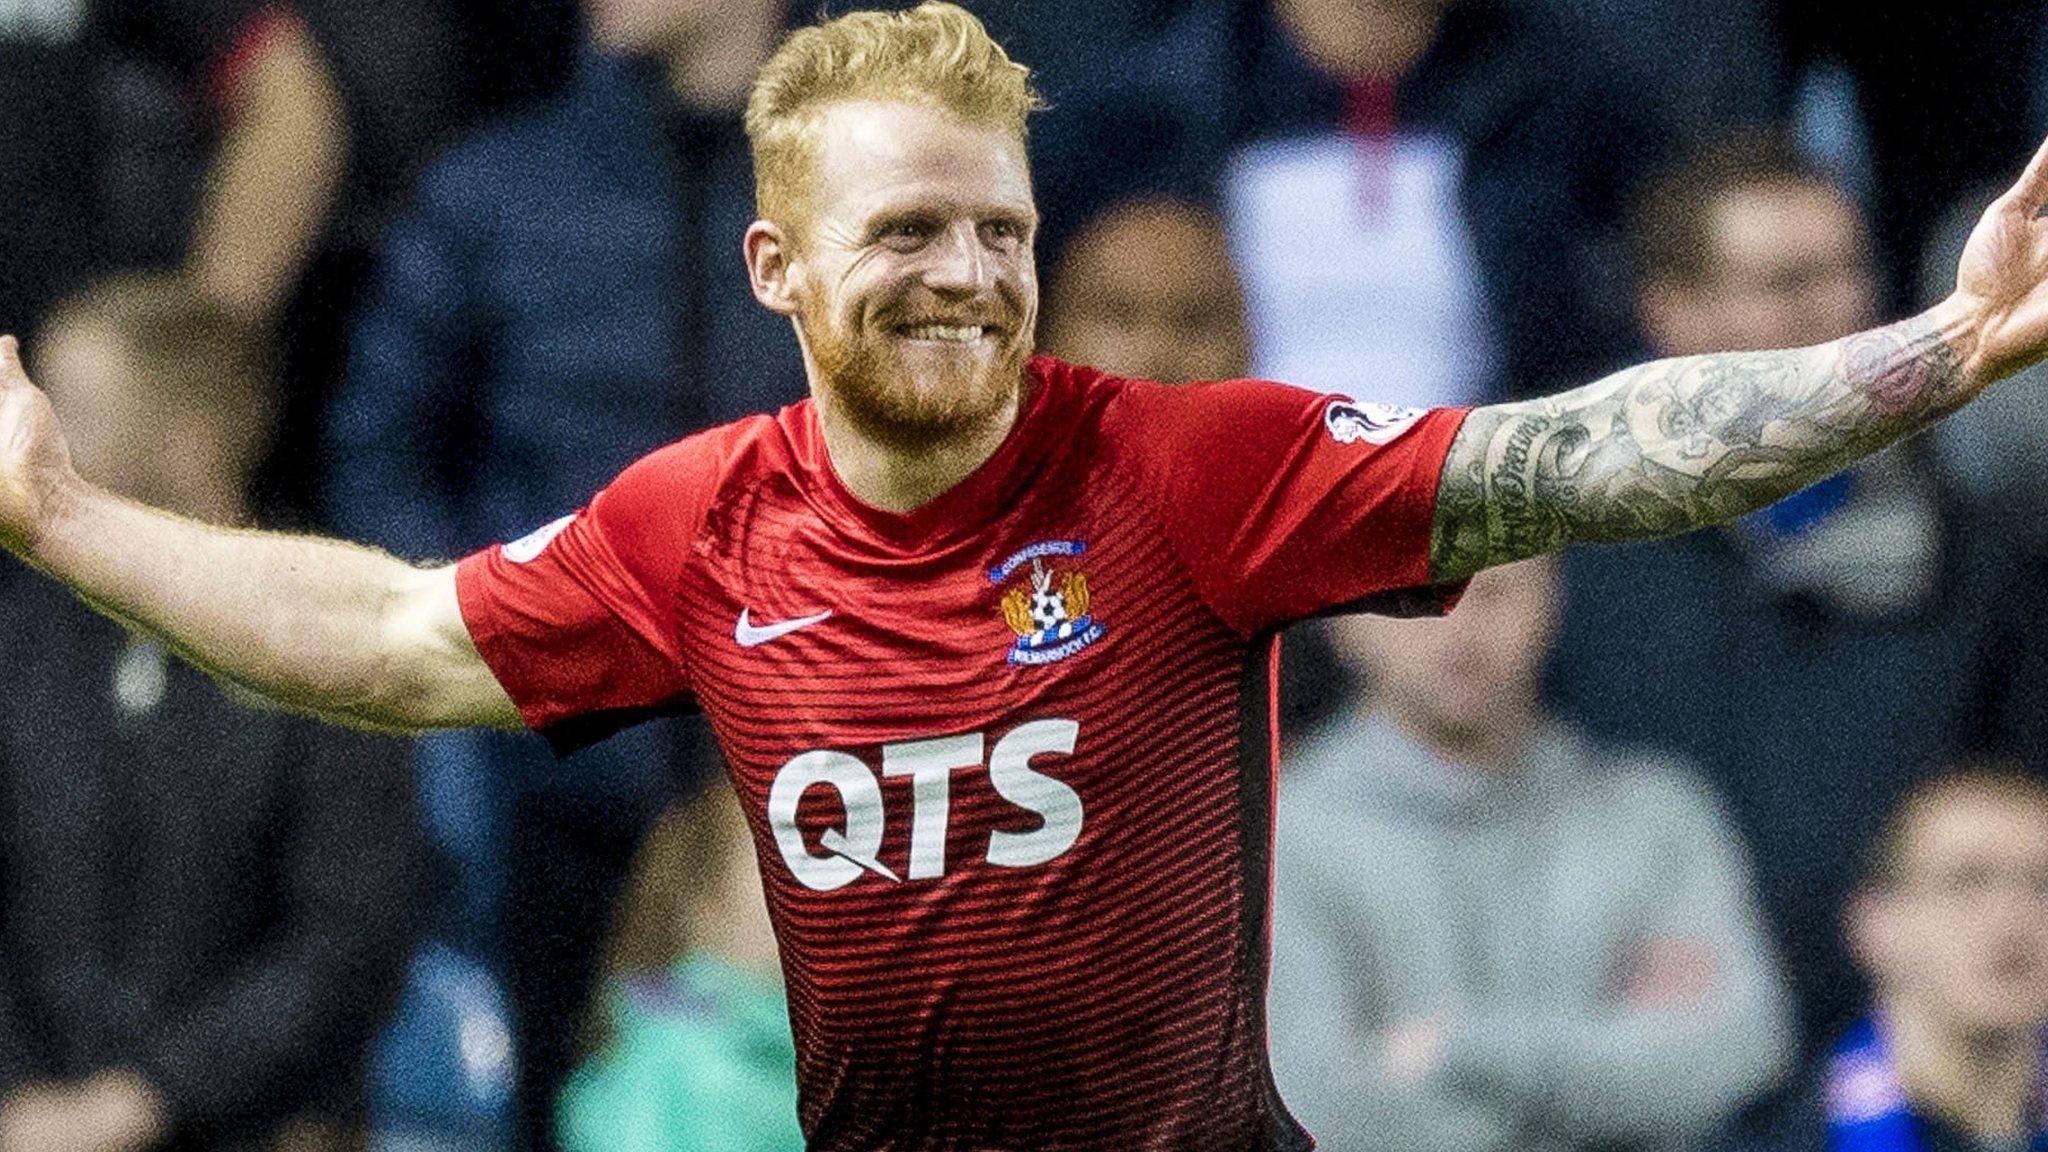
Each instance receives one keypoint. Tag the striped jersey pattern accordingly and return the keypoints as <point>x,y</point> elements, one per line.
<point>1007,759</point>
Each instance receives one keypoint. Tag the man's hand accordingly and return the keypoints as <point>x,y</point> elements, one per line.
<point>123,1112</point>
<point>1669,972</point>
<point>322,626</point>
<point>2002,281</point>
<point>114,1111</point>
<point>35,462</point>
<point>38,1118</point>
<point>1411,1050</point>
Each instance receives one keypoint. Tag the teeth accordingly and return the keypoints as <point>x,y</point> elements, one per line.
<point>946,332</point>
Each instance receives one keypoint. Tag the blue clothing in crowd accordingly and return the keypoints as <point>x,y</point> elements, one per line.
<point>566,294</point>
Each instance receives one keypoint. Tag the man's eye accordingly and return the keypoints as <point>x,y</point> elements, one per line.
<point>907,230</point>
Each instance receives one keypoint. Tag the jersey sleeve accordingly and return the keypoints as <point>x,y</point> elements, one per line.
<point>1286,504</point>
<point>579,620</point>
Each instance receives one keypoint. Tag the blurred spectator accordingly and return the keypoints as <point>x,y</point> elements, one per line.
<point>1815,655</point>
<point>207,903</point>
<point>1146,289</point>
<point>1950,101</point>
<point>257,144</point>
<point>301,124</point>
<point>1428,208</point>
<point>564,295</point>
<point>1951,924</point>
<point>1749,247</point>
<point>565,292</point>
<point>1490,933</point>
<point>266,94</point>
<point>692,1051</point>
<point>1143,99</point>
<point>1747,242</point>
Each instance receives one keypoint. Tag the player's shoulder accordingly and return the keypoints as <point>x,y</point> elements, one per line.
<point>695,459</point>
<point>1109,390</point>
<point>1223,410</point>
<point>1207,424</point>
<point>672,489</point>
<point>1126,406</point>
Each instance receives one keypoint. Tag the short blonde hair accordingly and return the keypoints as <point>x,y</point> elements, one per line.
<point>936,54</point>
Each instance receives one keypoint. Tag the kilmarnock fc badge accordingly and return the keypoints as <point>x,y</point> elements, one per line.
<point>1050,616</point>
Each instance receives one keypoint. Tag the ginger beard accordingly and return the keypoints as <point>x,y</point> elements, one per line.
<point>914,393</point>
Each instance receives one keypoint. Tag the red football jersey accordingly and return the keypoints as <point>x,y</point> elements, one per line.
<point>1007,758</point>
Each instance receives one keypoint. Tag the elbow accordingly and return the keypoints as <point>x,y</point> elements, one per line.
<point>426,672</point>
<point>395,690</point>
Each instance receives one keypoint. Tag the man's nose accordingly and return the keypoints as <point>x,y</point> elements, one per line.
<point>958,263</point>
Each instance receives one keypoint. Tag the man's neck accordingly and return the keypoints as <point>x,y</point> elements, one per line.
<point>1983,1084</point>
<point>899,480</point>
<point>1500,748</point>
<point>713,67</point>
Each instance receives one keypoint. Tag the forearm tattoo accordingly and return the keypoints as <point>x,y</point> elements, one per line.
<point>1679,444</point>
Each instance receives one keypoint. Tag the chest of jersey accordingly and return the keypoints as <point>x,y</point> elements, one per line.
<point>997,787</point>
<point>896,715</point>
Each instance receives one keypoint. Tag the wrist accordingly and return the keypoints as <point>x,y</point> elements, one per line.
<point>1959,320</point>
<point>63,501</point>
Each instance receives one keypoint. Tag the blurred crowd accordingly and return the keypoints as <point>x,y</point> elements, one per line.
<point>1737,841</point>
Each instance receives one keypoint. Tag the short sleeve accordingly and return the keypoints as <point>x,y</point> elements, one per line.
<point>579,620</point>
<point>1286,504</point>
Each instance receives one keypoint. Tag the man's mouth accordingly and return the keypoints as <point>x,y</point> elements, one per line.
<point>947,333</point>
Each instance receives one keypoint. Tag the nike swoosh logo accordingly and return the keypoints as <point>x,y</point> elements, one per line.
<point>750,636</point>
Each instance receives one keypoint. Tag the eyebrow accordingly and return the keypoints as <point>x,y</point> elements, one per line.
<point>881,221</point>
<point>887,218</point>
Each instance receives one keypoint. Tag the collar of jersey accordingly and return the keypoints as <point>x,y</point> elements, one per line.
<point>965,506</point>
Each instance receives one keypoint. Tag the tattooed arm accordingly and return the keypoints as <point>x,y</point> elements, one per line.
<point>1680,444</point>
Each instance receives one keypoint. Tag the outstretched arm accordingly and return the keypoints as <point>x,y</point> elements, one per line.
<point>341,631</point>
<point>1679,444</point>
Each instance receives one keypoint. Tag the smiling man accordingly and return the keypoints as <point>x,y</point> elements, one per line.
<point>1950,924</point>
<point>987,638</point>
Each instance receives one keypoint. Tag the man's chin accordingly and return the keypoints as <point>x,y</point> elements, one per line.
<point>916,405</point>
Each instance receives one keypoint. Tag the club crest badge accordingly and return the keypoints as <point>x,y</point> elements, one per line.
<point>1048,607</point>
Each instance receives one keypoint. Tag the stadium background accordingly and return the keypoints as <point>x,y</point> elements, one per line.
<point>518,286</point>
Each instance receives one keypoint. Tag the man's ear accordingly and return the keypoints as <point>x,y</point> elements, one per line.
<point>768,267</point>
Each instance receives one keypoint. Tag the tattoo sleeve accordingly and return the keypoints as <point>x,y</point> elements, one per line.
<point>1679,444</point>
